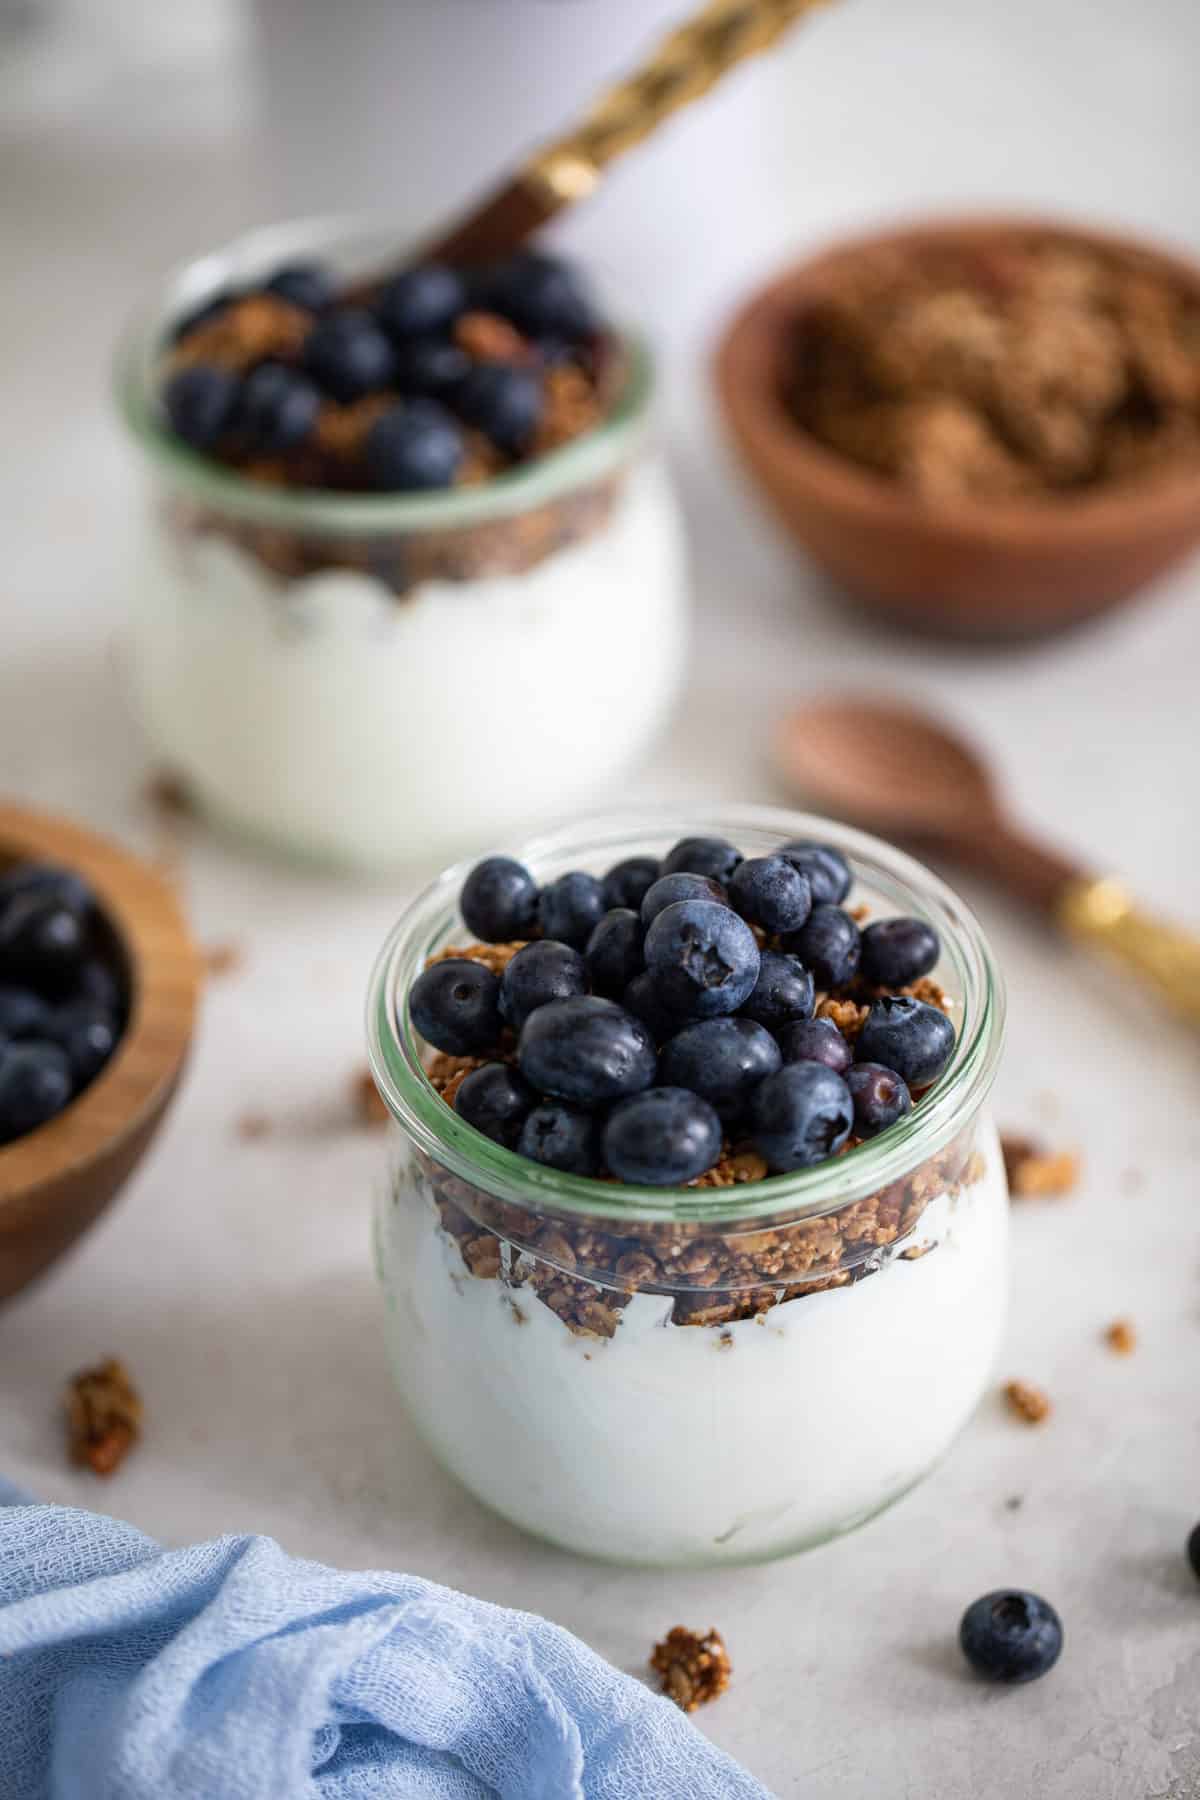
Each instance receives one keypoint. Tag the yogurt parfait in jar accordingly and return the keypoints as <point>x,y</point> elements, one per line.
<point>693,1236</point>
<point>414,571</point>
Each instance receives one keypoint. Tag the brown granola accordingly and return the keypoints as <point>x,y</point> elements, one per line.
<point>252,1127</point>
<point>693,1668</point>
<point>1035,1173</point>
<point>1028,1402</point>
<point>223,959</point>
<point>104,1416</point>
<point>1121,1337</point>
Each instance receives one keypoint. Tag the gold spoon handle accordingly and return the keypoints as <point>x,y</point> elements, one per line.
<point>1100,912</point>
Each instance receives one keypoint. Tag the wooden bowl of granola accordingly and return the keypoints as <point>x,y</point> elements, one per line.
<point>987,426</point>
<point>58,1178</point>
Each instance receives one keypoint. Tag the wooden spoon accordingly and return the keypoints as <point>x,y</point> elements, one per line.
<point>899,773</point>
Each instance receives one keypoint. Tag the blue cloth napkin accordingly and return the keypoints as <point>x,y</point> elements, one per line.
<point>231,1671</point>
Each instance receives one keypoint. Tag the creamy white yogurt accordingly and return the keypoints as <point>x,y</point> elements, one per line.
<point>674,1444</point>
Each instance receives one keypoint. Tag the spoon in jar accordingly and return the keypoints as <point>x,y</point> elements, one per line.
<point>900,774</point>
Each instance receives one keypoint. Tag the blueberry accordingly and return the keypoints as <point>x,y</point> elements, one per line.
<point>503,402</point>
<point>495,1100</point>
<point>47,878</point>
<point>42,941</point>
<point>307,284</point>
<point>897,951</point>
<point>1193,1550</point>
<point>431,367</point>
<point>538,974</point>
<point>722,1060</point>
<point>499,900</point>
<point>771,892</point>
<point>662,1138</point>
<point>614,952</point>
<point>422,300</point>
<point>200,403</point>
<point>879,1096</point>
<point>703,856</point>
<point>87,1034</point>
<point>645,1001</point>
<point>703,957</point>
<point>417,446</point>
<point>670,888</point>
<point>1011,1636</point>
<point>543,296</point>
<point>349,354</point>
<point>571,907</point>
<point>800,1115</point>
<point>783,993</point>
<point>829,945</point>
<point>827,869</point>
<point>627,883</point>
<point>97,983</point>
<point>35,1083</point>
<point>816,1041</point>
<point>278,407</point>
<point>563,1137</point>
<point>588,1050</point>
<point>23,1014</point>
<point>455,1005</point>
<point>915,1039</point>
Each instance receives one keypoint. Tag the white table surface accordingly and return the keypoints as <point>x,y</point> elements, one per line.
<point>233,1277</point>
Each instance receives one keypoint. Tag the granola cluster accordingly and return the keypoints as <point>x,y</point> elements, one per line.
<point>693,1667</point>
<point>104,1416</point>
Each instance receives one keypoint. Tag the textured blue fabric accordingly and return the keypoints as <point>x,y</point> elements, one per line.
<point>231,1671</point>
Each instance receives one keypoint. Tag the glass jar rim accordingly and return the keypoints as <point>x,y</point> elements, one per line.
<point>436,1128</point>
<point>582,461</point>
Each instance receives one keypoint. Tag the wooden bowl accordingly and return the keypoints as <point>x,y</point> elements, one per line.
<point>973,568</point>
<point>55,1181</point>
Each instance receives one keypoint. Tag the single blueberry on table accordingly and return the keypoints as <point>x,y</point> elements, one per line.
<point>828,945</point>
<point>277,408</point>
<point>915,1039</point>
<point>614,952</point>
<point>627,883</point>
<point>588,1050</point>
<point>455,1005</point>
<point>350,354</point>
<point>771,892</point>
<point>1011,1636</point>
<point>897,951</point>
<point>496,1100</point>
<point>499,900</point>
<point>307,284</point>
<point>669,888</point>
<point>703,856</point>
<point>783,994</point>
<point>416,447</point>
<point>827,869</point>
<point>63,885</point>
<point>87,1034</point>
<point>541,972</point>
<point>35,1084</point>
<point>563,1137</point>
<point>815,1041</point>
<point>542,295</point>
<point>423,300</point>
<point>42,941</point>
<point>879,1096</point>
<point>800,1115</point>
<point>703,957</point>
<point>645,1001</point>
<point>722,1060</point>
<point>571,907</point>
<point>662,1138</point>
<point>200,403</point>
<point>23,1014</point>
<point>431,367</point>
<point>503,402</point>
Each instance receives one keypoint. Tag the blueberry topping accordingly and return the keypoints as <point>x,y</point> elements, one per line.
<point>879,1096</point>
<point>422,300</point>
<point>42,941</point>
<point>349,354</point>
<point>538,974</point>
<point>97,983</point>
<point>563,1137</point>
<point>23,1014</point>
<point>703,856</point>
<point>703,957</point>
<point>645,1001</point>
<point>430,367</point>
<point>200,403</point>
<point>783,993</point>
<point>543,296</point>
<point>587,1050</point>
<point>415,447</point>
<point>627,883</point>
<point>614,952</point>
<point>722,1060</point>
<point>800,1115</point>
<point>571,907</point>
<point>670,888</point>
<point>455,1005</point>
<point>1011,1636</point>
<point>827,869</point>
<point>909,1036</point>
<point>771,892</point>
<point>816,1041</point>
<point>495,1100</point>
<point>35,1083</point>
<point>828,945</point>
<point>897,951</point>
<point>662,1138</point>
<point>503,402</point>
<point>87,1034</point>
<point>45,878</point>
<point>278,407</point>
<point>499,900</point>
<point>307,284</point>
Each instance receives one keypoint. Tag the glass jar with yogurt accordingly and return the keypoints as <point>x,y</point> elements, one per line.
<point>714,1374</point>
<point>373,680</point>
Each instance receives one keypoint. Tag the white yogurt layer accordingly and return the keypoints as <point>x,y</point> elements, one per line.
<point>331,716</point>
<point>675,1444</point>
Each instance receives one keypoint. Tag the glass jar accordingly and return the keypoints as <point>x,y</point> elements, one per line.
<point>379,679</point>
<point>706,1375</point>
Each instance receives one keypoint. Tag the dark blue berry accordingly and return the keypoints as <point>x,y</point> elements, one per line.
<point>669,889</point>
<point>783,993</point>
<point>415,447</point>
<point>722,1060</point>
<point>431,367</point>
<point>87,1034</point>
<point>588,1050</point>
<point>828,945</point>
<point>662,1138</point>
<point>499,900</point>
<point>503,402</point>
<point>563,1137</point>
<point>42,941</point>
<point>827,869</point>
<point>307,284</point>
<point>23,1014</point>
<point>915,1039</point>
<point>538,974</point>
<point>1011,1636</point>
<point>614,952</point>
<point>879,1096</point>
<point>800,1115</point>
<point>771,892</point>
<point>495,1100</point>
<point>703,957</point>
<point>571,907</point>
<point>421,301</point>
<point>816,1041</point>
<point>200,404</point>
<point>35,1083</point>
<point>542,295</point>
<point>897,951</point>
<point>69,889</point>
<point>97,982</point>
<point>645,1001</point>
<point>455,1005</point>
<point>703,856</point>
<point>627,883</point>
<point>278,407</point>
<point>349,354</point>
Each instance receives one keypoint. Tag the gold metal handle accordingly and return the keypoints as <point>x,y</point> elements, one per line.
<point>1101,912</point>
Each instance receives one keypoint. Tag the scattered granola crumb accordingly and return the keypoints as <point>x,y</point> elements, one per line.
<point>1035,1173</point>
<point>1028,1402</point>
<point>252,1126</point>
<point>169,794</point>
<point>1121,1337</point>
<point>1014,1503</point>
<point>223,959</point>
<point>693,1670</point>
<point>369,1102</point>
<point>104,1416</point>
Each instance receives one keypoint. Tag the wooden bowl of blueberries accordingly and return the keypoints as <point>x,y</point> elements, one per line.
<point>98,986</point>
